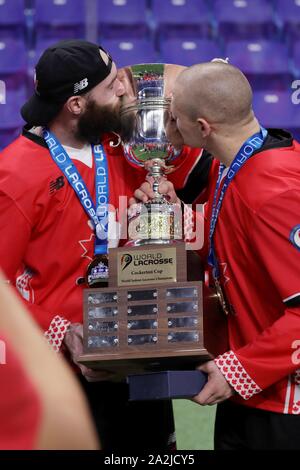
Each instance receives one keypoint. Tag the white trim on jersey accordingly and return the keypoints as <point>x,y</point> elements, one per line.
<point>296,401</point>
<point>191,169</point>
<point>287,396</point>
<point>294,296</point>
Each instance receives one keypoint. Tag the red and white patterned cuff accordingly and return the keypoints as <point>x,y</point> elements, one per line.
<point>236,375</point>
<point>56,332</point>
<point>188,223</point>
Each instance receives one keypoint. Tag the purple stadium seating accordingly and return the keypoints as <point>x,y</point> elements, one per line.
<point>11,121</point>
<point>296,57</point>
<point>41,46</point>
<point>288,12</point>
<point>130,51</point>
<point>189,51</point>
<point>122,18</point>
<point>60,19</point>
<point>276,109</point>
<point>245,19</point>
<point>12,19</point>
<point>182,32</point>
<point>265,63</point>
<point>182,18</point>
<point>13,62</point>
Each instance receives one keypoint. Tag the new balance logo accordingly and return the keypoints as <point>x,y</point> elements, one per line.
<point>81,85</point>
<point>57,184</point>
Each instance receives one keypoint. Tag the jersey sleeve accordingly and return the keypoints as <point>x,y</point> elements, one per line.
<point>275,353</point>
<point>15,229</point>
<point>15,232</point>
<point>191,177</point>
<point>276,240</point>
<point>20,404</point>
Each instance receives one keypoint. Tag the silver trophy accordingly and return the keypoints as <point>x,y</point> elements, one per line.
<point>145,113</point>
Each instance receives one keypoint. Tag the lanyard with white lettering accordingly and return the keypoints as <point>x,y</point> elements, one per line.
<point>254,143</point>
<point>99,213</point>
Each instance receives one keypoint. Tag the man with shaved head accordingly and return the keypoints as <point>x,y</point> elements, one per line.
<point>254,258</point>
<point>215,95</point>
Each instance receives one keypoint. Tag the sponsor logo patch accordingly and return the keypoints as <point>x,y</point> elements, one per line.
<point>295,236</point>
<point>57,184</point>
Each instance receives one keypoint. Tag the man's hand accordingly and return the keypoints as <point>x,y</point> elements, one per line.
<point>73,340</point>
<point>217,388</point>
<point>145,191</point>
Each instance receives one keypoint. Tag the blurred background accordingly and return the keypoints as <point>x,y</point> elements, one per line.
<point>262,37</point>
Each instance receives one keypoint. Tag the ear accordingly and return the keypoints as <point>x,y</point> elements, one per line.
<point>204,127</point>
<point>76,105</point>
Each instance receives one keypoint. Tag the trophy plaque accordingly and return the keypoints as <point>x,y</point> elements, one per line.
<point>150,326</point>
<point>156,312</point>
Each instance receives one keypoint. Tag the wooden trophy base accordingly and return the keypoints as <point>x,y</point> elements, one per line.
<point>134,326</point>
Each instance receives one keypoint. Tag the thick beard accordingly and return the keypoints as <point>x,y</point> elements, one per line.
<point>128,122</point>
<point>96,121</point>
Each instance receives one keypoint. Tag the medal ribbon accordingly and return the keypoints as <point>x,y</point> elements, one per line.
<point>98,213</point>
<point>254,143</point>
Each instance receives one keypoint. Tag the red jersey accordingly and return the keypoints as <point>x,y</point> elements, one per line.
<point>20,405</point>
<point>257,242</point>
<point>47,240</point>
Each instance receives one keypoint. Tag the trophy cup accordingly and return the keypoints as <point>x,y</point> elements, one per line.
<point>156,313</point>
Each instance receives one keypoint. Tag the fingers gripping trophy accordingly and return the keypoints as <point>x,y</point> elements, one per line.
<point>156,313</point>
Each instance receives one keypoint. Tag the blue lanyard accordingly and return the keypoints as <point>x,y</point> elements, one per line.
<point>97,213</point>
<point>254,143</point>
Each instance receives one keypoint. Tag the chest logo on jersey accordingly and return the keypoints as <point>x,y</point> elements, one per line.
<point>57,184</point>
<point>295,236</point>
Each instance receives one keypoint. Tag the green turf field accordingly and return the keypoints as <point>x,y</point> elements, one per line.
<point>194,425</point>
